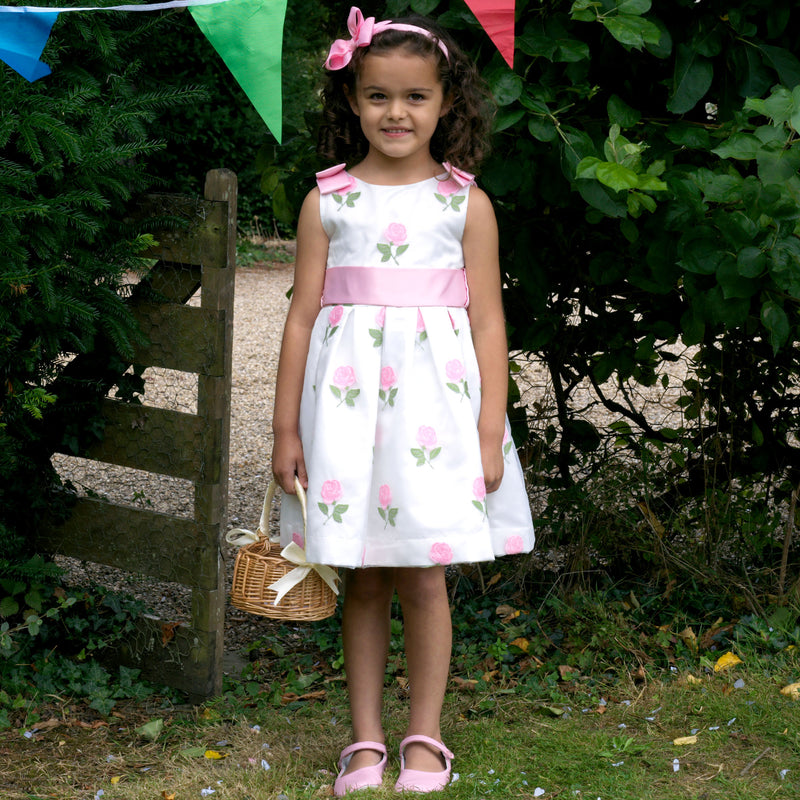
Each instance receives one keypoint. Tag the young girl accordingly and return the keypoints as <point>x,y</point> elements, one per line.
<point>391,395</point>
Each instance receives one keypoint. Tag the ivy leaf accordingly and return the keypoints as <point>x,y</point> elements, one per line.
<point>784,63</point>
<point>506,87</point>
<point>690,81</point>
<point>741,146</point>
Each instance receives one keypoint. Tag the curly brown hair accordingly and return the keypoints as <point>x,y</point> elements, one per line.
<point>463,133</point>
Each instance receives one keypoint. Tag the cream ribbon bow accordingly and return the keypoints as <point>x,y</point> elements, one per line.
<point>296,555</point>
<point>293,553</point>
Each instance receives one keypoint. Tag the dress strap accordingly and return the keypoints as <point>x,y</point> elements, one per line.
<point>335,179</point>
<point>393,286</point>
<point>456,180</point>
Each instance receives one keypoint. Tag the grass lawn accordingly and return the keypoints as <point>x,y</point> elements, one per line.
<point>578,738</point>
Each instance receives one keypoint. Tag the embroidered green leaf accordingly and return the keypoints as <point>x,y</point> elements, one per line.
<point>337,393</point>
<point>382,395</point>
<point>377,335</point>
<point>338,198</point>
<point>456,202</point>
<point>323,508</point>
<point>340,508</point>
<point>435,452</point>
<point>353,393</point>
<point>393,515</point>
<point>454,387</point>
<point>421,462</point>
<point>478,505</point>
<point>337,518</point>
<point>401,249</point>
<point>382,513</point>
<point>417,453</point>
<point>440,198</point>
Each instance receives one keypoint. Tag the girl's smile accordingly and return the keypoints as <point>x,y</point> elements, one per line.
<point>399,100</point>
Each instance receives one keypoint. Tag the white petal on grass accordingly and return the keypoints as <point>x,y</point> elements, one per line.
<point>739,684</point>
<point>783,773</point>
<point>264,764</point>
<point>538,791</point>
<point>731,721</point>
<point>676,765</point>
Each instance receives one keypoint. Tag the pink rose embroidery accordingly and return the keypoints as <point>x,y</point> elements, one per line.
<point>427,450</point>
<point>298,539</point>
<point>385,511</point>
<point>335,315</point>
<point>346,197</point>
<point>343,379</point>
<point>479,491</point>
<point>331,493</point>
<point>514,544</point>
<point>426,436</point>
<point>377,333</point>
<point>441,553</point>
<point>507,443</point>
<point>334,318</point>
<point>396,235</point>
<point>455,371</point>
<point>388,390</point>
<point>422,334</point>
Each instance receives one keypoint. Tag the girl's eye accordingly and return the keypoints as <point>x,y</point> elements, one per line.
<point>416,97</point>
<point>377,96</point>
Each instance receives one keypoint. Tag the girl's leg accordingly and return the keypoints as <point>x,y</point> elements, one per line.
<point>365,639</point>
<point>428,642</point>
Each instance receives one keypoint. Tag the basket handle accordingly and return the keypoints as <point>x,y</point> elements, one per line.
<point>242,536</point>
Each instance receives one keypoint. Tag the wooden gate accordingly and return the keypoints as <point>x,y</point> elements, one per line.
<point>190,446</point>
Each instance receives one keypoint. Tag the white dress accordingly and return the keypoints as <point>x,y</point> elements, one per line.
<point>390,403</point>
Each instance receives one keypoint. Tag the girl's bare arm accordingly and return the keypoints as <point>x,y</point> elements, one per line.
<point>309,276</point>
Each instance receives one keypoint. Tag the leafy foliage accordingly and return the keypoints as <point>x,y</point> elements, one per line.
<point>71,152</point>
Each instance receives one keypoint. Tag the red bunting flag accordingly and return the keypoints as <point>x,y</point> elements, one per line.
<point>497,19</point>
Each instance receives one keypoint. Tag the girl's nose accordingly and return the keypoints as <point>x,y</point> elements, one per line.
<point>397,109</point>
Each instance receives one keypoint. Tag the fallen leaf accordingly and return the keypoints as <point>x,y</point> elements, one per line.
<point>494,579</point>
<point>151,730</point>
<point>564,671</point>
<point>193,752</point>
<point>168,631</point>
<point>464,684</point>
<point>488,675</point>
<point>691,679</point>
<point>684,740</point>
<point>92,726</point>
<point>522,643</point>
<point>689,638</point>
<point>639,674</point>
<point>506,612</point>
<point>115,780</point>
<point>792,690</point>
<point>726,661</point>
<point>47,725</point>
<point>165,795</point>
<point>556,711</point>
<point>214,754</point>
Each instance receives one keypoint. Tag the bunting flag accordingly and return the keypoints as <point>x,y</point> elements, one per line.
<point>248,35</point>
<point>497,19</point>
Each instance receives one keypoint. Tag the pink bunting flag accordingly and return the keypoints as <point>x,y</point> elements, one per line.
<point>497,19</point>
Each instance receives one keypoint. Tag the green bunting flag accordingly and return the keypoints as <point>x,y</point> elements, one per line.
<point>248,35</point>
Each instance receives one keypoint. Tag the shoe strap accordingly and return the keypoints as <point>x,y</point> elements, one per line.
<point>418,737</point>
<point>356,746</point>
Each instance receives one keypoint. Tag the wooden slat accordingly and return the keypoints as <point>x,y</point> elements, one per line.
<point>137,540</point>
<point>176,283</point>
<point>184,338</point>
<point>202,241</point>
<point>154,440</point>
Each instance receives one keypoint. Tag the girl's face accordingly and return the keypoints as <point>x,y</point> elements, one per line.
<point>399,100</point>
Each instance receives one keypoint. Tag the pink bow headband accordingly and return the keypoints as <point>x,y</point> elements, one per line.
<point>362,30</point>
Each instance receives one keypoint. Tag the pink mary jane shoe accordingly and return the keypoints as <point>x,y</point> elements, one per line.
<point>364,778</point>
<point>415,780</point>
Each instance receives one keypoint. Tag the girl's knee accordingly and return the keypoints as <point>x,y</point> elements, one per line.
<point>421,585</point>
<point>370,585</point>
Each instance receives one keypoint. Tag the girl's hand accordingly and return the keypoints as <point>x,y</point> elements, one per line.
<point>493,464</point>
<point>288,461</point>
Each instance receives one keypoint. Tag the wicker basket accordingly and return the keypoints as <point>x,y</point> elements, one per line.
<point>261,563</point>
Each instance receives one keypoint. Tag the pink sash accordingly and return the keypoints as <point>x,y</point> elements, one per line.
<point>394,286</point>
